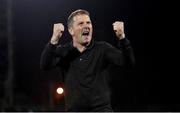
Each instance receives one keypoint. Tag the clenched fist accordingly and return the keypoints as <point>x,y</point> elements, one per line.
<point>58,30</point>
<point>118,28</point>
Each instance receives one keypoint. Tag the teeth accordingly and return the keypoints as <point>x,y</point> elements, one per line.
<point>85,33</point>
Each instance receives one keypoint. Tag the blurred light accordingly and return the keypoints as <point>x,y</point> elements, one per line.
<point>60,90</point>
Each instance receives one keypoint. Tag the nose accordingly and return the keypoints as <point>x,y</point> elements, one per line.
<point>85,26</point>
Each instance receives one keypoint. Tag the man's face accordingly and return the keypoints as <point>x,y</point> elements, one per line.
<point>81,29</point>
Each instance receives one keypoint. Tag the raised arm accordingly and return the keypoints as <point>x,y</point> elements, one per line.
<point>122,55</point>
<point>49,57</point>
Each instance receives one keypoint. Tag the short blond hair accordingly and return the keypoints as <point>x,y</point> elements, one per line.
<point>75,13</point>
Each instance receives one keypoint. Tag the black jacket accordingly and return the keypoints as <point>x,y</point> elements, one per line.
<point>85,74</point>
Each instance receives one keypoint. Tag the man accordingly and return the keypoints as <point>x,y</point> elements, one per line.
<point>84,62</point>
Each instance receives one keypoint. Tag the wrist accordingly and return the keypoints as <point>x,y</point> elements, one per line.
<point>54,40</point>
<point>122,36</point>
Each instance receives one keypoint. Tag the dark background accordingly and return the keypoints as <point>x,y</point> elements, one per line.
<point>150,86</point>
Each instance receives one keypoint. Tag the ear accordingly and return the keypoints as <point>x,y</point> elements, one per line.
<point>71,31</point>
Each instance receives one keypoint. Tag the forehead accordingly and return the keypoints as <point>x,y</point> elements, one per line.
<point>83,17</point>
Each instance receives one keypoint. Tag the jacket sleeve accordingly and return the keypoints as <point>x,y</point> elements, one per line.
<point>122,55</point>
<point>50,56</point>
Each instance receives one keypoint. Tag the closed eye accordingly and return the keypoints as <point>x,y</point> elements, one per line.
<point>88,22</point>
<point>81,23</point>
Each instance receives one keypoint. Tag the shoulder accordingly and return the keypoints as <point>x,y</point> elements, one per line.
<point>66,45</point>
<point>103,44</point>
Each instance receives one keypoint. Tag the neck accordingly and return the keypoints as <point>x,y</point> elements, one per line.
<point>80,47</point>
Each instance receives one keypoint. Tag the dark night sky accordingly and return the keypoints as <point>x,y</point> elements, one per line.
<point>33,22</point>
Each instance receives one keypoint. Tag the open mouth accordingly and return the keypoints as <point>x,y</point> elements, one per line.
<point>86,33</point>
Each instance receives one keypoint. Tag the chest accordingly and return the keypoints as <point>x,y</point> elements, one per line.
<point>86,59</point>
